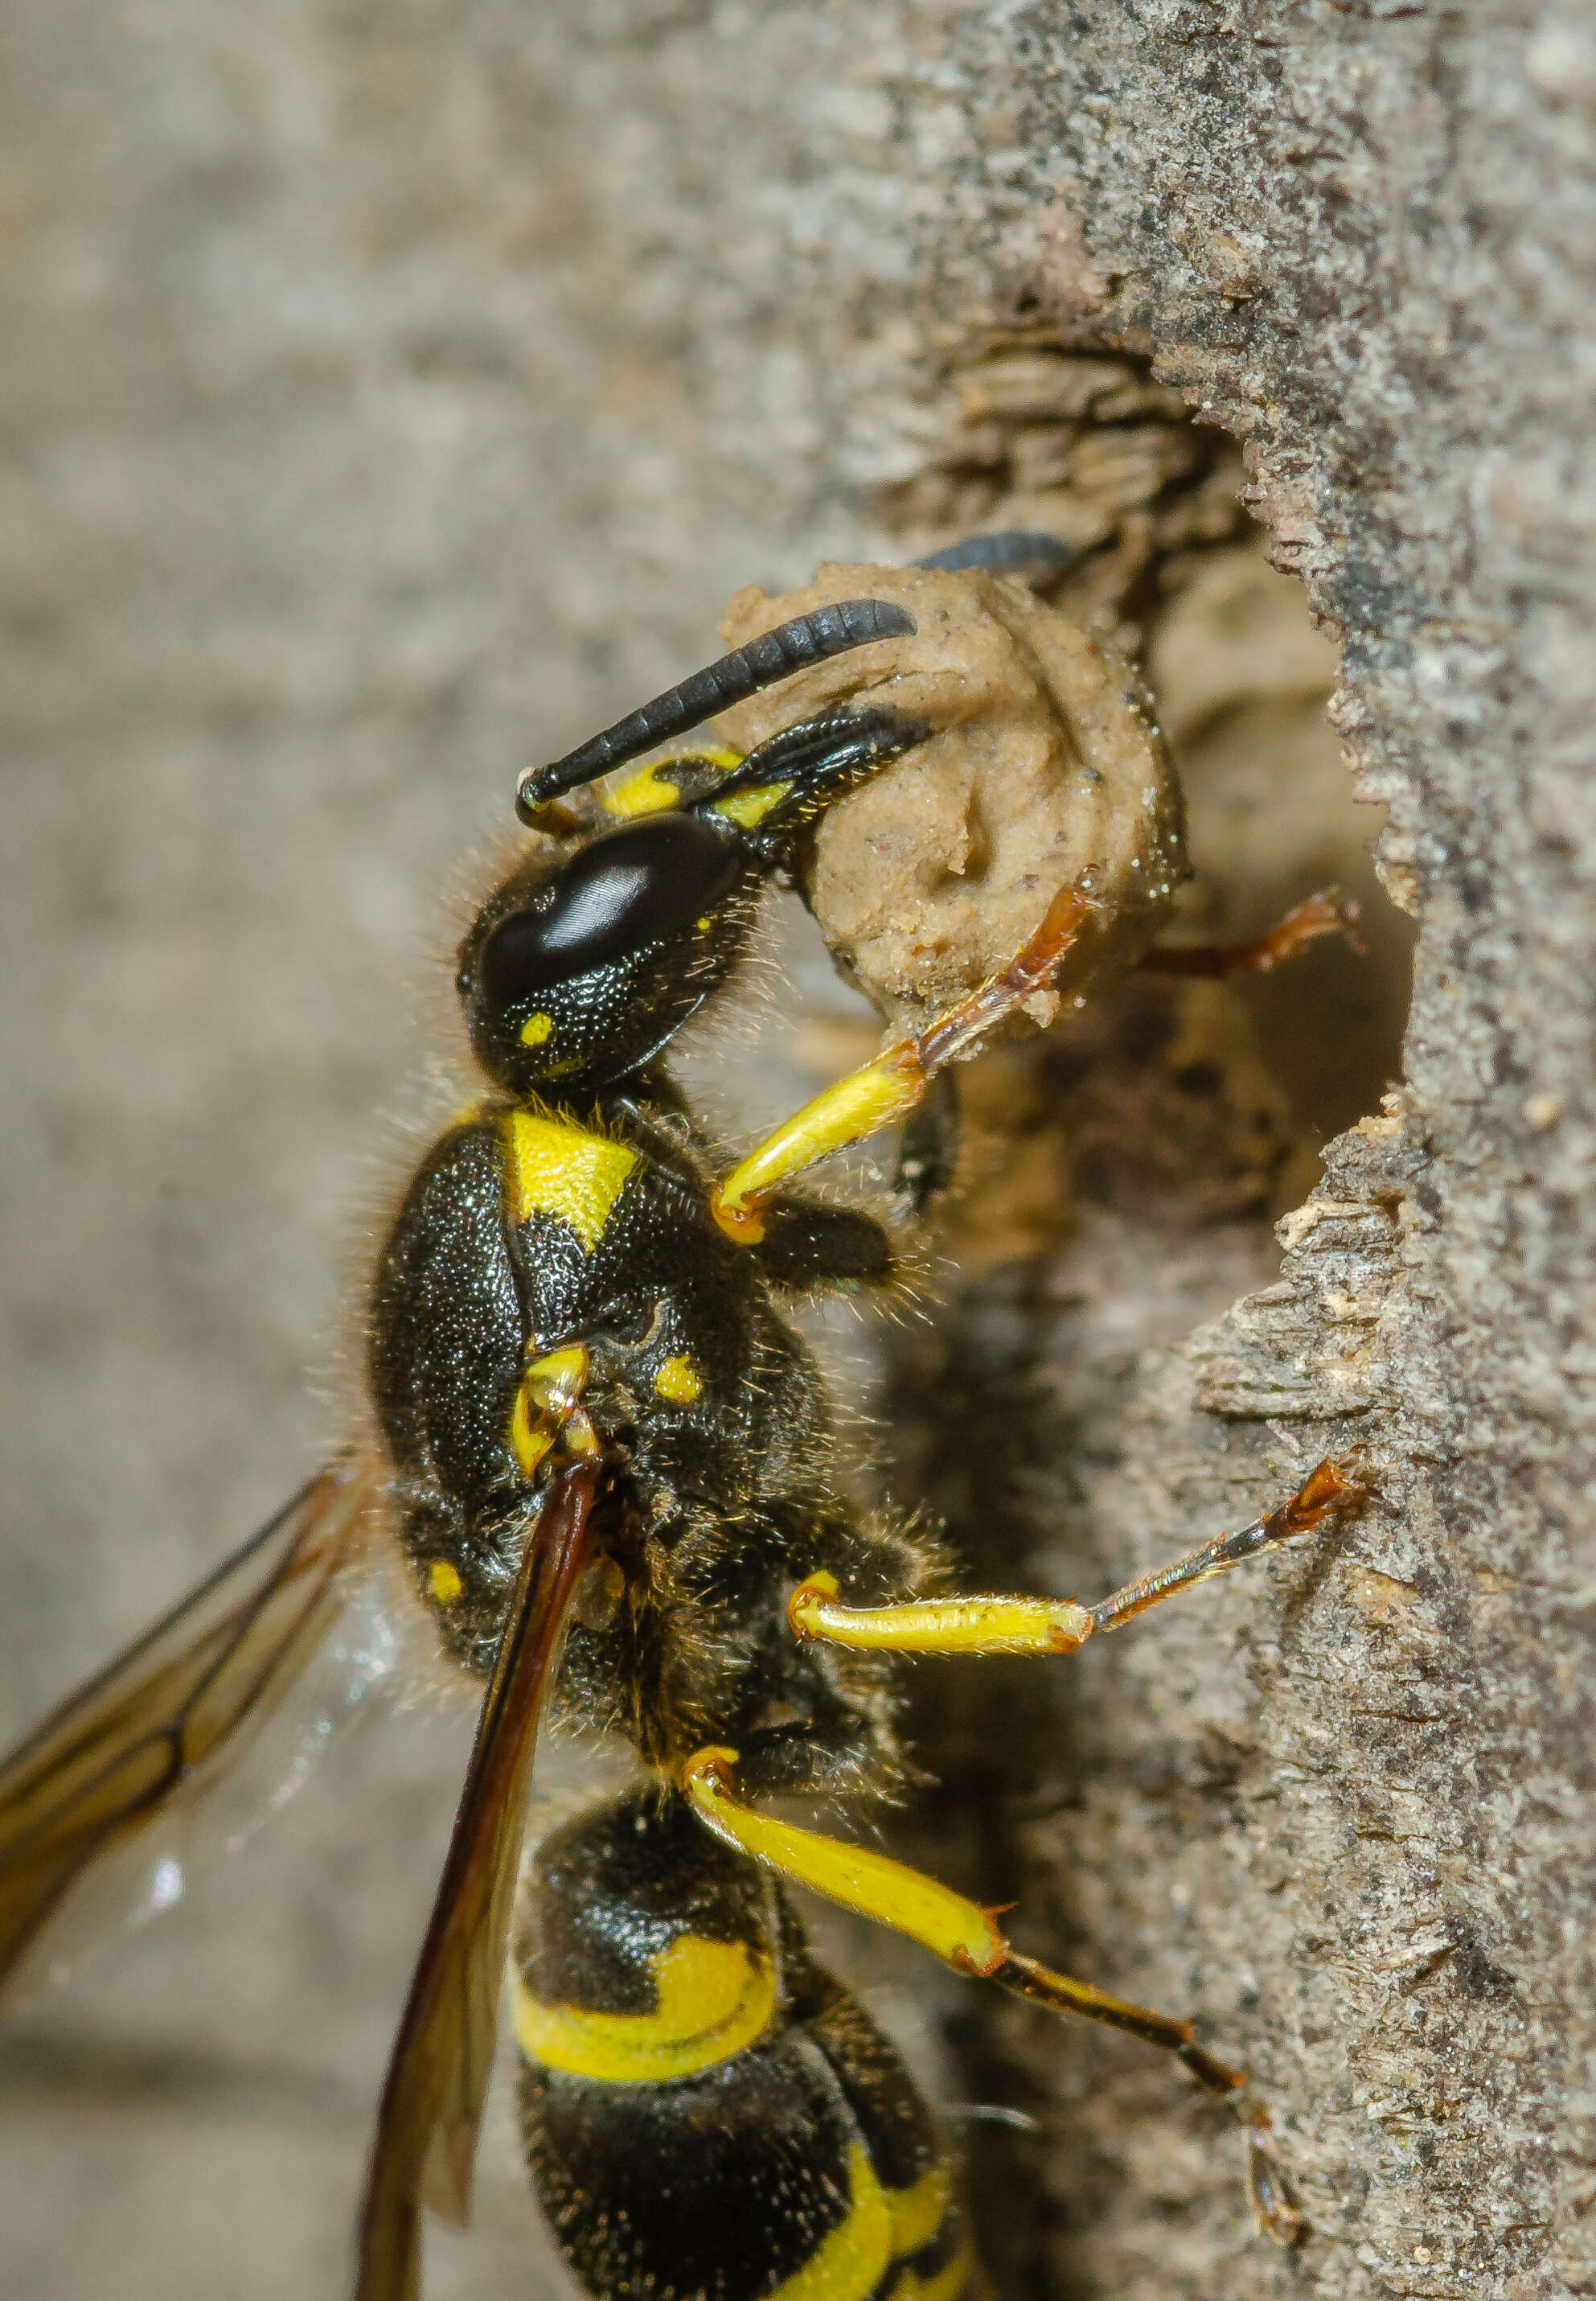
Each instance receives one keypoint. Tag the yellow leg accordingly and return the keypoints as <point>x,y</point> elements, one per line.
<point>1329,912</point>
<point>1043,1625</point>
<point>945,1625</point>
<point>960,1932</point>
<point>889,1088</point>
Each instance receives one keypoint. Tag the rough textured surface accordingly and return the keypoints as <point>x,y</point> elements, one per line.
<point>393,394</point>
<point>1362,241</point>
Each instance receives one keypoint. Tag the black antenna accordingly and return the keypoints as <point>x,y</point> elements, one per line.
<point>774,655</point>
<point>1010,551</point>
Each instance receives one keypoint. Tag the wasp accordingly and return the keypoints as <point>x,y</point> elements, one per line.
<point>607,1466</point>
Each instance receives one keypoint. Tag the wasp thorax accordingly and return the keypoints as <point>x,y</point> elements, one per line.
<point>584,963</point>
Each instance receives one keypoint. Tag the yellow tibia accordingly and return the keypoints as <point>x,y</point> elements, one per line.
<point>850,2260</point>
<point>557,1168</point>
<point>918,2212</point>
<point>445,1581</point>
<point>883,1090</point>
<point>680,1381</point>
<point>958,1931</point>
<point>945,1625</point>
<point>713,1999</point>
<point>747,808</point>
<point>536,1029</point>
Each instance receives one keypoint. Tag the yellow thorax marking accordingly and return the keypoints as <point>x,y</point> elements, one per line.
<point>715,1998</point>
<point>536,1030</point>
<point>558,1168</point>
<point>679,1380</point>
<point>850,2260</point>
<point>444,1580</point>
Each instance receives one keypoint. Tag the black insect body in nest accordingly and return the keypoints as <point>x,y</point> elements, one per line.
<point>607,1460</point>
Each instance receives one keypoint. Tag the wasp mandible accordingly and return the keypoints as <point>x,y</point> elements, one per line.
<point>606,1462</point>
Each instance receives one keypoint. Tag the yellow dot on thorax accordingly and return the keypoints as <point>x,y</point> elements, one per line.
<point>679,1380</point>
<point>444,1580</point>
<point>536,1029</point>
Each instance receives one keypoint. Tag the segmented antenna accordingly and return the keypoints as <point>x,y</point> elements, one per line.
<point>1004,552</point>
<point>791,647</point>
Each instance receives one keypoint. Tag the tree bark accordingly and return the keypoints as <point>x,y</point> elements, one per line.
<point>1354,240</point>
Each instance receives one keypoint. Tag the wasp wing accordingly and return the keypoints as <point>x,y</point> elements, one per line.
<point>175,1712</point>
<point>437,2082</point>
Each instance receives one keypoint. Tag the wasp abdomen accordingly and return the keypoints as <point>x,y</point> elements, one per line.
<point>706,2113</point>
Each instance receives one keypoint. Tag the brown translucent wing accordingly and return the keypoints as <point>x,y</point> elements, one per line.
<point>173,1713</point>
<point>437,2083</point>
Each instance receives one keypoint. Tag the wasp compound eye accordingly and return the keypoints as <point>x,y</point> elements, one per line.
<point>637,886</point>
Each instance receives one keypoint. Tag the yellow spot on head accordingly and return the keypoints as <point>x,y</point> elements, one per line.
<point>650,791</point>
<point>446,1581</point>
<point>713,2000</point>
<point>679,1380</point>
<point>557,1168</point>
<point>645,793</point>
<point>536,1029</point>
<point>747,808</point>
<point>705,924</point>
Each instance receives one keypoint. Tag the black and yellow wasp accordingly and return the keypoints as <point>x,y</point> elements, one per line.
<point>606,1462</point>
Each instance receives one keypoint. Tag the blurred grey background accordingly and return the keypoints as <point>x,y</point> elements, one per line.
<point>390,394</point>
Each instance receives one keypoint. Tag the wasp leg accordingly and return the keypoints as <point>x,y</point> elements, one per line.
<point>929,1146</point>
<point>1339,1479</point>
<point>796,773</point>
<point>705,2110</point>
<point>889,1088</point>
<point>1325,913</point>
<point>958,1931</point>
<point>809,1247</point>
<point>1043,1625</point>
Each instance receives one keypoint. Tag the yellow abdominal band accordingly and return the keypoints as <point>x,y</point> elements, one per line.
<point>881,2226</point>
<point>715,1998</point>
